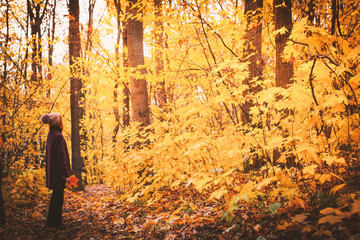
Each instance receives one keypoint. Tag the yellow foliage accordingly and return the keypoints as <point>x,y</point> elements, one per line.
<point>25,187</point>
<point>197,140</point>
<point>219,193</point>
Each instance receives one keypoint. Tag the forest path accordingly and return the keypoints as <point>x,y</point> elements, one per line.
<point>92,214</point>
<point>98,214</point>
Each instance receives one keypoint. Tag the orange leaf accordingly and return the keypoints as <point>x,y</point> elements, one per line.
<point>72,183</point>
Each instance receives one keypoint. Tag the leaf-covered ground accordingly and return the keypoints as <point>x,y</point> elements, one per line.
<point>98,214</point>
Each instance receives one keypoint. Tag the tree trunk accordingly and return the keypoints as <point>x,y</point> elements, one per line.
<point>138,85</point>
<point>88,49</point>
<point>252,51</point>
<point>117,80</point>
<point>126,90</point>
<point>88,44</point>
<point>34,55</point>
<point>334,16</point>
<point>4,76</point>
<point>2,204</point>
<point>159,59</point>
<point>75,90</point>
<point>283,18</point>
<point>311,11</point>
<point>35,22</point>
<point>51,37</point>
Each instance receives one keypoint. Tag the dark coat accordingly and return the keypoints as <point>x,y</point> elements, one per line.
<point>57,159</point>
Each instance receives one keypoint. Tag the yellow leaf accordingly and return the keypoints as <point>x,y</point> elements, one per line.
<point>71,17</point>
<point>283,226</point>
<point>201,184</point>
<point>331,160</point>
<point>280,31</point>
<point>330,219</point>
<point>355,207</point>
<point>218,193</point>
<point>299,218</point>
<point>337,188</point>
<point>246,190</point>
<point>330,210</point>
<point>310,169</point>
<point>37,1</point>
<point>299,202</point>
<point>325,178</point>
<point>265,182</point>
<point>314,155</point>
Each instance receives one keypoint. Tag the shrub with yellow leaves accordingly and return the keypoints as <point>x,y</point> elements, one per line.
<point>21,188</point>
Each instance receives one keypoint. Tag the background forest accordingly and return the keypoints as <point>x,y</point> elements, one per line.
<point>244,109</point>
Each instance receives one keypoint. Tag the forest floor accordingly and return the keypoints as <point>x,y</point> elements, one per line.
<point>98,214</point>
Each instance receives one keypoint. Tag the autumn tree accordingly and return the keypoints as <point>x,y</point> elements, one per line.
<point>284,70</point>
<point>75,90</point>
<point>36,15</point>
<point>18,92</point>
<point>138,85</point>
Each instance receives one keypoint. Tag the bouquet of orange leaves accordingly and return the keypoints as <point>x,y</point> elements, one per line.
<point>72,183</point>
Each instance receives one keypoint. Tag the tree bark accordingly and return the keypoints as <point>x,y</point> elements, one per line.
<point>120,35</point>
<point>138,85</point>
<point>88,49</point>
<point>88,44</point>
<point>311,11</point>
<point>35,21</point>
<point>51,37</point>
<point>159,59</point>
<point>2,204</point>
<point>252,51</point>
<point>283,18</point>
<point>334,16</point>
<point>126,90</point>
<point>75,90</point>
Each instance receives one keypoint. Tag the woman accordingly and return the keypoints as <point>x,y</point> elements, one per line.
<point>58,170</point>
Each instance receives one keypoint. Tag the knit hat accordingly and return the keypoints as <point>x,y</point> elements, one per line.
<point>54,119</point>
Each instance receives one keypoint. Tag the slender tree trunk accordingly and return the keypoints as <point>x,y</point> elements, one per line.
<point>4,77</point>
<point>51,37</point>
<point>159,59</point>
<point>283,18</point>
<point>284,70</point>
<point>86,55</point>
<point>334,16</point>
<point>138,85</point>
<point>34,55</point>
<point>117,80</point>
<point>35,22</point>
<point>88,44</point>
<point>252,51</point>
<point>75,90</point>
<point>126,90</point>
<point>2,204</point>
<point>311,11</point>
